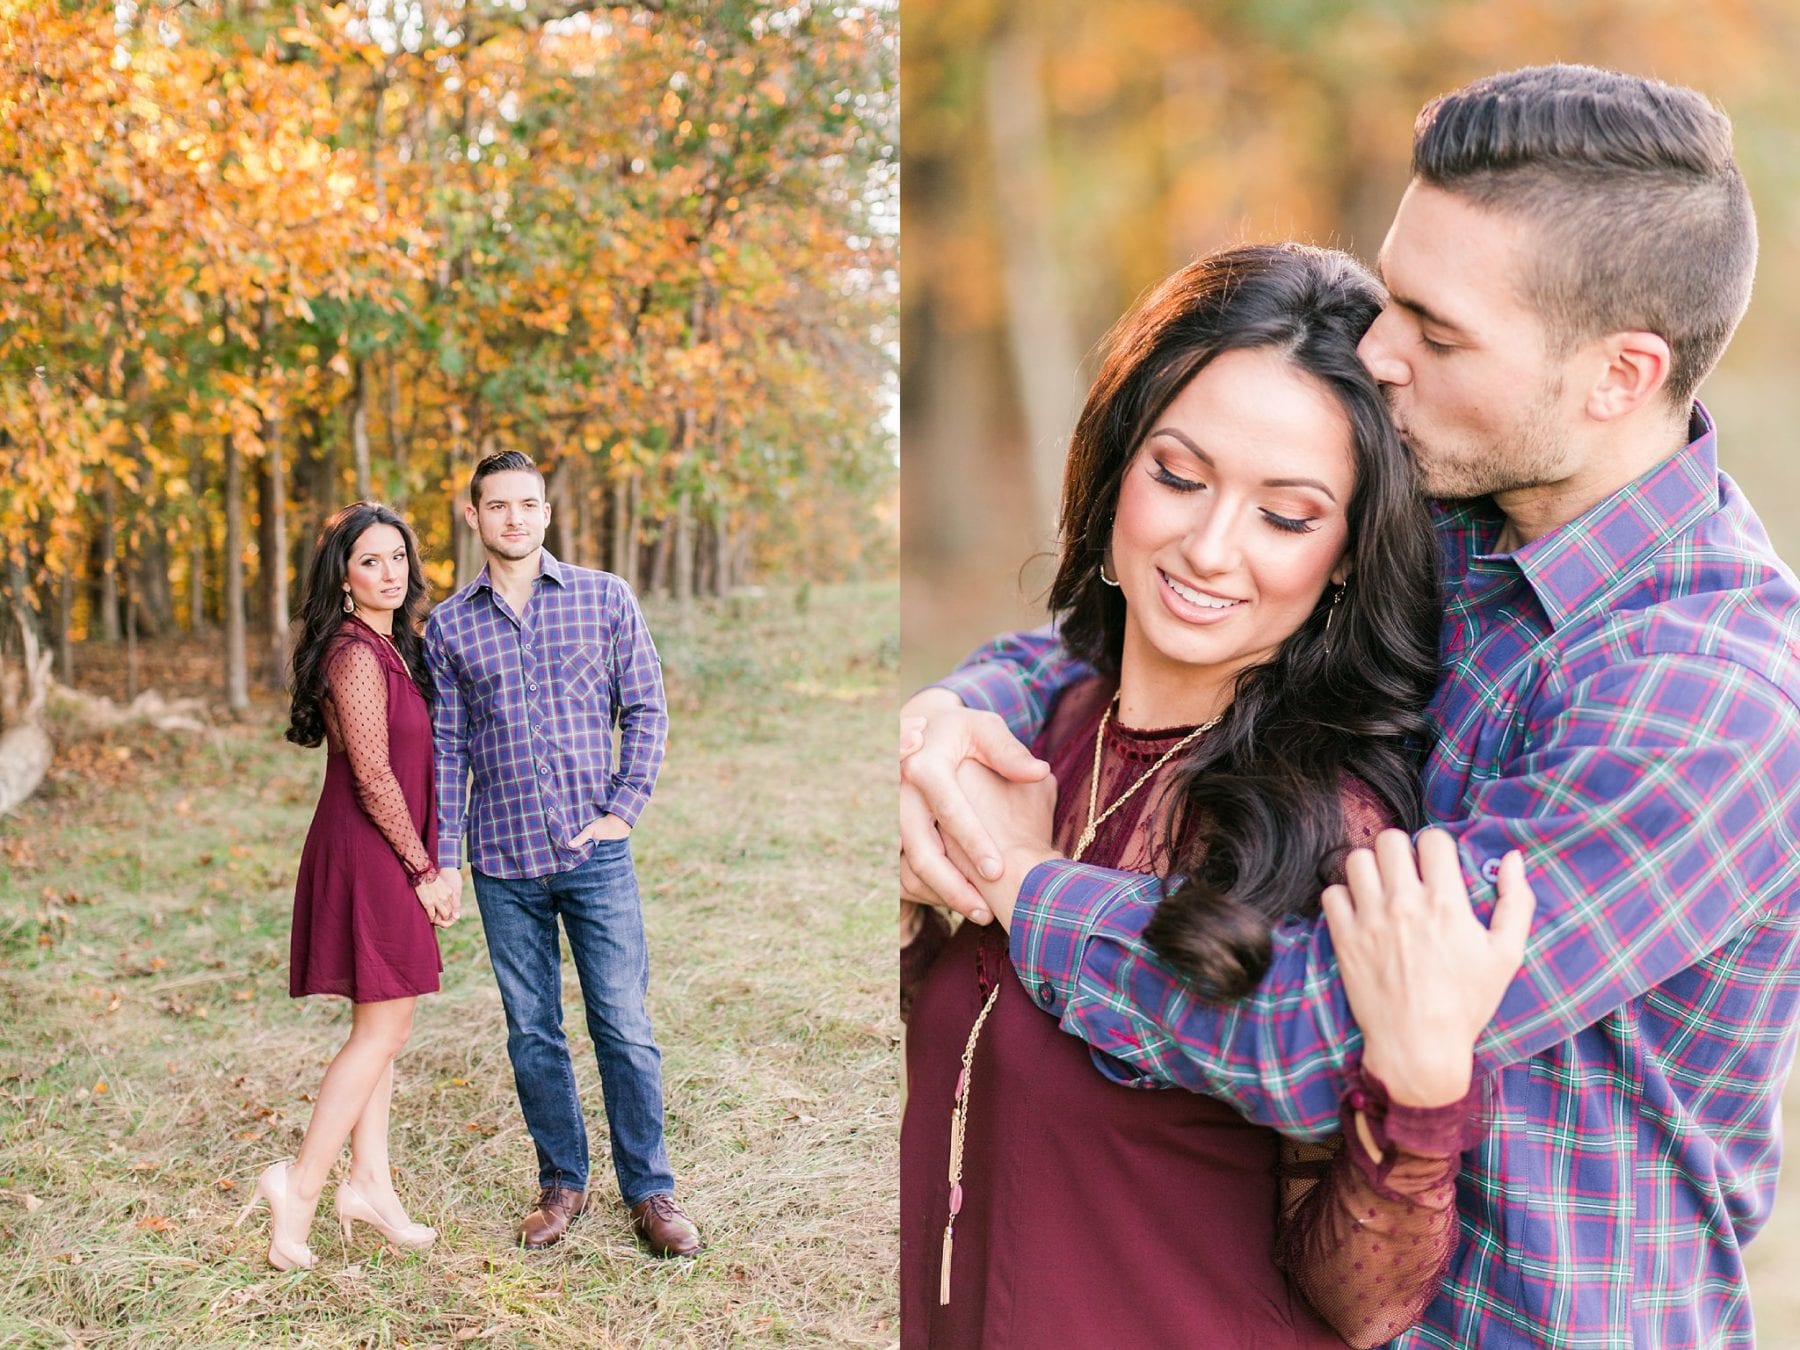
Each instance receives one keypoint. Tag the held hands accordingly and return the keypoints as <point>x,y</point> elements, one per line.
<point>607,826</point>
<point>442,897</point>
<point>1423,974</point>
<point>951,850</point>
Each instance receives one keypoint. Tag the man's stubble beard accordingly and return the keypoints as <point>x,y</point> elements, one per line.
<point>513,552</point>
<point>1531,455</point>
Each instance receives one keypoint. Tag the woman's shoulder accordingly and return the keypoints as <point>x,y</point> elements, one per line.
<point>1077,708</point>
<point>1366,812</point>
<point>351,648</point>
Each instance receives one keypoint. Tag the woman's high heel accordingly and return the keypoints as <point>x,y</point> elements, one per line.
<point>272,1186</point>
<point>352,1206</point>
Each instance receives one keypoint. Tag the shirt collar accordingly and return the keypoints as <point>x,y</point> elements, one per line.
<point>1570,567</point>
<point>548,567</point>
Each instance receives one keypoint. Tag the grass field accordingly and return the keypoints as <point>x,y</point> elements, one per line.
<point>151,1062</point>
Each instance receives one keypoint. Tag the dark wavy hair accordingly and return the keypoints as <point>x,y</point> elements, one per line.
<point>322,614</point>
<point>1256,826</point>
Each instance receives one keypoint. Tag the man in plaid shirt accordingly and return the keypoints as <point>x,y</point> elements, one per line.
<point>1618,700</point>
<point>535,661</point>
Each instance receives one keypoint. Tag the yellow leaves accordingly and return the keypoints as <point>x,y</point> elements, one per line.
<point>773,92</point>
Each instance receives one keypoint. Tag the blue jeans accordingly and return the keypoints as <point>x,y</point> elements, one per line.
<point>598,902</point>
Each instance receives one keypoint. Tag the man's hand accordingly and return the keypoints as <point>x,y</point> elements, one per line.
<point>934,806</point>
<point>1021,818</point>
<point>608,826</point>
<point>1423,974</point>
<point>440,897</point>
<point>456,884</point>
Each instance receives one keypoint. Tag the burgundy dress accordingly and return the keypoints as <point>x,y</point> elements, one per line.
<point>359,929</point>
<point>1093,1214</point>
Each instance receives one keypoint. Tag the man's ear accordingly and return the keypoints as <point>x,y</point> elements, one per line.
<point>469,516</point>
<point>1635,368</point>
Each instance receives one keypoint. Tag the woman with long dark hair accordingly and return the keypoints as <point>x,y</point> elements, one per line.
<point>1247,566</point>
<point>368,894</point>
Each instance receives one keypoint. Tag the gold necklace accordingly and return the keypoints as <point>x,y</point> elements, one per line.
<point>959,1110</point>
<point>1095,822</point>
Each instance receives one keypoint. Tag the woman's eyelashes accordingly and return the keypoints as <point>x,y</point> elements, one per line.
<point>1290,524</point>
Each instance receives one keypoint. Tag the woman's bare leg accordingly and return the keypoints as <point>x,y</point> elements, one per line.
<point>359,1070</point>
<point>370,1173</point>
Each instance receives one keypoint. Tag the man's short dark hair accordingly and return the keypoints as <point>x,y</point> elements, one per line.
<point>1643,219</point>
<point>507,461</point>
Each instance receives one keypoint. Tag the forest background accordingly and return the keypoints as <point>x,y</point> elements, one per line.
<point>257,260</point>
<point>1061,157</point>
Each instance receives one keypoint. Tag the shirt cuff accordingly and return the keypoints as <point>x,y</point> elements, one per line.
<point>627,803</point>
<point>1056,913</point>
<point>991,689</point>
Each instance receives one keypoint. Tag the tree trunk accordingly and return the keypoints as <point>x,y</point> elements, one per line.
<point>150,582</point>
<point>275,558</point>
<point>25,747</point>
<point>390,414</point>
<point>359,428</point>
<point>624,529</point>
<point>237,683</point>
<point>131,625</point>
<point>1046,357</point>
<point>65,620</point>
<point>658,583</point>
<point>683,548</point>
<point>197,547</point>
<point>109,559</point>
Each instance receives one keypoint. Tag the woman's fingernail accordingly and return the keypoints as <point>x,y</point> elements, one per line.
<point>990,868</point>
<point>979,916</point>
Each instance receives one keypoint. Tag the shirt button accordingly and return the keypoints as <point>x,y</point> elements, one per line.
<point>529,685</point>
<point>543,768</point>
<point>1046,995</point>
<point>1490,870</point>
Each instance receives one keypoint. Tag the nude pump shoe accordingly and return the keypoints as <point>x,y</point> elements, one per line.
<point>272,1186</point>
<point>352,1206</point>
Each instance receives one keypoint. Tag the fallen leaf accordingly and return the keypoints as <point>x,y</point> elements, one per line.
<point>33,1204</point>
<point>100,1088</point>
<point>225,1184</point>
<point>156,1223</point>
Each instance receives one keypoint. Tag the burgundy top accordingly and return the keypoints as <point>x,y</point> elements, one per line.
<point>1096,1214</point>
<point>359,929</point>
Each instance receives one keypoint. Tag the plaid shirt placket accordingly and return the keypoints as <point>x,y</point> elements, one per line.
<point>528,710</point>
<point>1617,704</point>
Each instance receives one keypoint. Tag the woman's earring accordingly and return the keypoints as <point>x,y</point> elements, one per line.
<point>1103,577</point>
<point>349,604</point>
<point>1336,600</point>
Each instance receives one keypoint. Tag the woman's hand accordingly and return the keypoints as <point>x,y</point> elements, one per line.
<point>1423,974</point>
<point>441,897</point>
<point>937,736</point>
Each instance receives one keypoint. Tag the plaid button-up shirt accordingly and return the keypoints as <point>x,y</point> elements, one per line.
<point>523,723</point>
<point>1618,700</point>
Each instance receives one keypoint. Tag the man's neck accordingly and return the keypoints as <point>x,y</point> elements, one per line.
<point>1535,511</point>
<point>513,578</point>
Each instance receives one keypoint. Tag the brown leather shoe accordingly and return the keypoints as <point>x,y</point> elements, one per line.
<point>664,1229</point>
<point>557,1208</point>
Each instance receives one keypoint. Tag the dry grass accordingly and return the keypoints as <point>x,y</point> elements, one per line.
<point>151,1063</point>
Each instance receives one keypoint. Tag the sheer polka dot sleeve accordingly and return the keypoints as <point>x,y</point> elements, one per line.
<point>1368,1222</point>
<point>357,715</point>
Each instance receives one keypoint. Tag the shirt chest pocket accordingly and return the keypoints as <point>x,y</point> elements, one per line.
<point>581,673</point>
